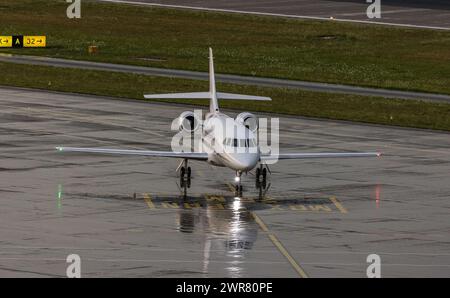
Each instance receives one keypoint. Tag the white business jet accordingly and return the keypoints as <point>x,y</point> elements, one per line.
<point>223,135</point>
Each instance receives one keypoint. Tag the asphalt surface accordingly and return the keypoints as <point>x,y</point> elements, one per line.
<point>126,216</point>
<point>433,14</point>
<point>223,78</point>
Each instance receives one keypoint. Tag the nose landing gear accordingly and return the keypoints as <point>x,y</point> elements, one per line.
<point>185,174</point>
<point>238,186</point>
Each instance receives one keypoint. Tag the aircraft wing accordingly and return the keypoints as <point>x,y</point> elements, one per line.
<point>319,155</point>
<point>186,155</point>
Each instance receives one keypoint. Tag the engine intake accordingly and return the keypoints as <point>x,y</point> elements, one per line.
<point>248,120</point>
<point>188,121</point>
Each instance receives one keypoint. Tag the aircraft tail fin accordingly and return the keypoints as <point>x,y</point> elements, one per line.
<point>212,95</point>
<point>213,104</point>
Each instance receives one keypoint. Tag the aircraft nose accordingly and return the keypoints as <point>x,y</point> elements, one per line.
<point>246,161</point>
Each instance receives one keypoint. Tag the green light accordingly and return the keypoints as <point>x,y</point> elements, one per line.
<point>59,197</point>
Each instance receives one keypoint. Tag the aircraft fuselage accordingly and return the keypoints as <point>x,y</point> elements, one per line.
<point>231,144</point>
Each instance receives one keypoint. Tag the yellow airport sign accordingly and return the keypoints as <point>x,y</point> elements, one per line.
<point>19,41</point>
<point>34,41</point>
<point>5,41</point>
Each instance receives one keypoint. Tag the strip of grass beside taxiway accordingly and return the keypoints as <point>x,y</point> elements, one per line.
<point>408,113</point>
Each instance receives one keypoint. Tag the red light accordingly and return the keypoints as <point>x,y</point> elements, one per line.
<point>377,195</point>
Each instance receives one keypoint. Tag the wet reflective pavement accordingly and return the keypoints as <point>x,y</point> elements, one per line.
<point>434,13</point>
<point>127,216</point>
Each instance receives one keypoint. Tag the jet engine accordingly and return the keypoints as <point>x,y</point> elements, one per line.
<point>188,121</point>
<point>248,120</point>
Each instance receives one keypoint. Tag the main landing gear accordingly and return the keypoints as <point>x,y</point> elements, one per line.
<point>260,181</point>
<point>261,176</point>
<point>185,174</point>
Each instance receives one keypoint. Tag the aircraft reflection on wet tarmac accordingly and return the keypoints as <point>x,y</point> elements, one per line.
<point>233,231</point>
<point>228,223</point>
<point>223,214</point>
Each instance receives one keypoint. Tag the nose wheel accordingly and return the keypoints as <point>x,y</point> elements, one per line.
<point>185,175</point>
<point>238,186</point>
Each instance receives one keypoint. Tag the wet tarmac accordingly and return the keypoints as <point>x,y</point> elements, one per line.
<point>410,13</point>
<point>127,216</point>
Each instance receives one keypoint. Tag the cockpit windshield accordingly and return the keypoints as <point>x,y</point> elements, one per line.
<point>243,143</point>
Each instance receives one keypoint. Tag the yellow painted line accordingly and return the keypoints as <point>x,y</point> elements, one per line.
<point>231,187</point>
<point>291,260</point>
<point>218,206</point>
<point>338,205</point>
<point>269,200</point>
<point>247,200</point>
<point>280,247</point>
<point>189,205</point>
<point>319,208</point>
<point>170,205</point>
<point>212,198</point>
<point>260,223</point>
<point>149,201</point>
<point>276,207</point>
<point>299,208</point>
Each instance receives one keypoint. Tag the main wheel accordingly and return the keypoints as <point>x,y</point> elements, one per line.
<point>238,190</point>
<point>182,173</point>
<point>189,172</point>
<point>257,177</point>
<point>264,178</point>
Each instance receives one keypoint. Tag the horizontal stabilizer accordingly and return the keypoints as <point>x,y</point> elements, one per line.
<point>189,95</point>
<point>205,95</point>
<point>222,95</point>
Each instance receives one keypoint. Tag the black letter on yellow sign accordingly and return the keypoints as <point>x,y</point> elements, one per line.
<point>17,41</point>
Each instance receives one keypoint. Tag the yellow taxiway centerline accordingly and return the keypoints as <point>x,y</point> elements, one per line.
<point>280,247</point>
